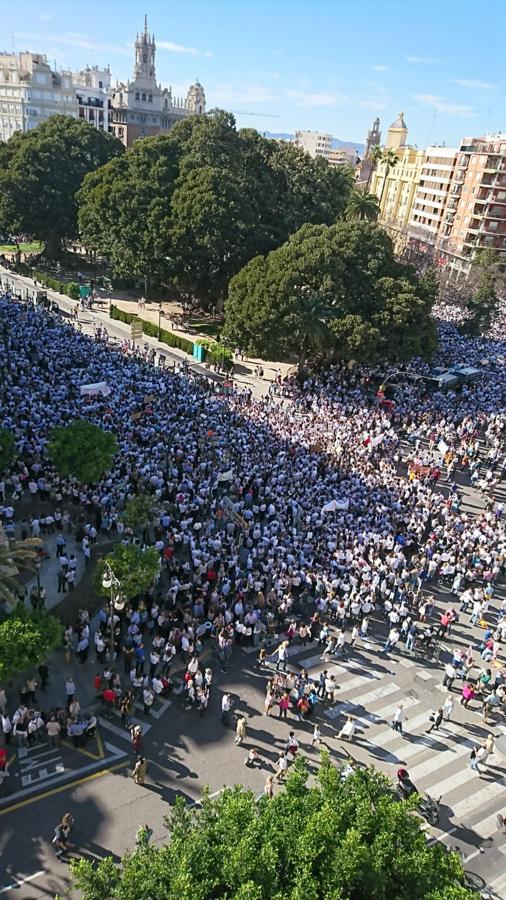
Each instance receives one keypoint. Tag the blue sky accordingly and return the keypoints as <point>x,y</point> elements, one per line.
<point>327,65</point>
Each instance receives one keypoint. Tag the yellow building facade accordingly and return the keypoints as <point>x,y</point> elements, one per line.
<point>395,185</point>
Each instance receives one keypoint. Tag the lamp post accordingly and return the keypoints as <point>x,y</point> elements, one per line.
<point>38,564</point>
<point>116,602</point>
<point>159,320</point>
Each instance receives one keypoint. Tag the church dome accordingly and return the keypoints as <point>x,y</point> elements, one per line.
<point>399,123</point>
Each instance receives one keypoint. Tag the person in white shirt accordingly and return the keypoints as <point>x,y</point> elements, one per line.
<point>348,729</point>
<point>398,719</point>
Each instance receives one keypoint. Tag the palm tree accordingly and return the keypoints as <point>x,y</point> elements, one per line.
<point>389,160</point>
<point>375,156</point>
<point>13,557</point>
<point>362,207</point>
<point>312,313</point>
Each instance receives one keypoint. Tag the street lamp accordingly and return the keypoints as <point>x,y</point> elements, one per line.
<point>38,564</point>
<point>116,601</point>
<point>159,319</point>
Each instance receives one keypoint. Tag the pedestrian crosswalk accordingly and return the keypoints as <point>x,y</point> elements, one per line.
<point>438,763</point>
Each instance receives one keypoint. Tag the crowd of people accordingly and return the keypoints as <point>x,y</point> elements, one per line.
<point>310,511</point>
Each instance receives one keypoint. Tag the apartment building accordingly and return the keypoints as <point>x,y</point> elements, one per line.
<point>92,88</point>
<point>475,211</point>
<point>30,92</point>
<point>431,194</point>
<point>314,143</point>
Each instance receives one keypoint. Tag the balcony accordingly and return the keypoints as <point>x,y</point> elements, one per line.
<point>450,215</point>
<point>460,176</point>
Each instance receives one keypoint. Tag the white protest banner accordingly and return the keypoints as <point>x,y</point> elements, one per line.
<point>91,390</point>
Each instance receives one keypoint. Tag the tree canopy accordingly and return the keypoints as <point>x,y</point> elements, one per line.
<point>346,840</point>
<point>26,638</point>
<point>379,307</point>
<point>362,206</point>
<point>134,567</point>
<point>40,172</point>
<point>140,511</point>
<point>15,555</point>
<point>83,450</point>
<point>7,449</point>
<point>486,279</point>
<point>193,207</point>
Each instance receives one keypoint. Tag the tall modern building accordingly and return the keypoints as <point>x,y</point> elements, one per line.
<point>475,210</point>
<point>30,92</point>
<point>141,107</point>
<point>431,196</point>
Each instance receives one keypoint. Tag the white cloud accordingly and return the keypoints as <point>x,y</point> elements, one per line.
<point>254,93</point>
<point>475,84</point>
<point>44,17</point>
<point>322,98</point>
<point>440,105</point>
<point>424,61</point>
<point>73,39</point>
<point>372,104</point>
<point>209,54</point>
<point>381,68</point>
<point>176,48</point>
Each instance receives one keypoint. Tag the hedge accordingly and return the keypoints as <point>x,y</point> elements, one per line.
<point>220,355</point>
<point>70,288</point>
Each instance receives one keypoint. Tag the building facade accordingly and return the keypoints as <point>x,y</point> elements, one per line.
<point>30,92</point>
<point>313,142</point>
<point>141,107</point>
<point>431,197</point>
<point>475,210</point>
<point>92,88</point>
<point>396,185</point>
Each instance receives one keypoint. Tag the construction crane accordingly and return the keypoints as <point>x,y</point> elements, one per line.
<point>240,112</point>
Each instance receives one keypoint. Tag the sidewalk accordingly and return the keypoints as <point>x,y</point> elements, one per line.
<point>243,374</point>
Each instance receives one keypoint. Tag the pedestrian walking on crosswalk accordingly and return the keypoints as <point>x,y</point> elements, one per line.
<point>436,719</point>
<point>448,708</point>
<point>398,719</point>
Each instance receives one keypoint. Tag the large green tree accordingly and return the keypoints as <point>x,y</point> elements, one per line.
<point>26,638</point>
<point>195,206</point>
<point>379,307</point>
<point>40,172</point>
<point>134,567</point>
<point>124,208</point>
<point>83,450</point>
<point>486,280</point>
<point>335,840</point>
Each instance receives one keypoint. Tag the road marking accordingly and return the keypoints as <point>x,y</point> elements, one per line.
<point>123,732</point>
<point>87,753</point>
<point>478,799</point>
<point>62,787</point>
<point>447,756</point>
<point>19,882</point>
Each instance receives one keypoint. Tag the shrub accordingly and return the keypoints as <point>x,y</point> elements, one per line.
<point>166,337</point>
<point>70,288</point>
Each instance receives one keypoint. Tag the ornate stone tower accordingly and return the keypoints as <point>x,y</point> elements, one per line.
<point>397,134</point>
<point>373,138</point>
<point>145,50</point>
<point>196,99</point>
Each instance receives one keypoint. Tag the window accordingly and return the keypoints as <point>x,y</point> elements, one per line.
<point>100,84</point>
<point>137,95</point>
<point>150,98</point>
<point>144,96</point>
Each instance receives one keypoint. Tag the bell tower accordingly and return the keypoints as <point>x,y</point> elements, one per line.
<point>145,50</point>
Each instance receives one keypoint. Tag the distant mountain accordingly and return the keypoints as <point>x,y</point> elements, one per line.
<point>348,145</point>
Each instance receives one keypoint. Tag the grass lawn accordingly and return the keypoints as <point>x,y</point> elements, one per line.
<point>209,329</point>
<point>32,247</point>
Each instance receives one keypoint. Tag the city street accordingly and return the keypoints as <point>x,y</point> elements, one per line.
<point>185,752</point>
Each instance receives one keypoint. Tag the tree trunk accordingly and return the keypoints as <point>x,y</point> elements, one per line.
<point>146,286</point>
<point>302,358</point>
<point>53,247</point>
<point>387,170</point>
